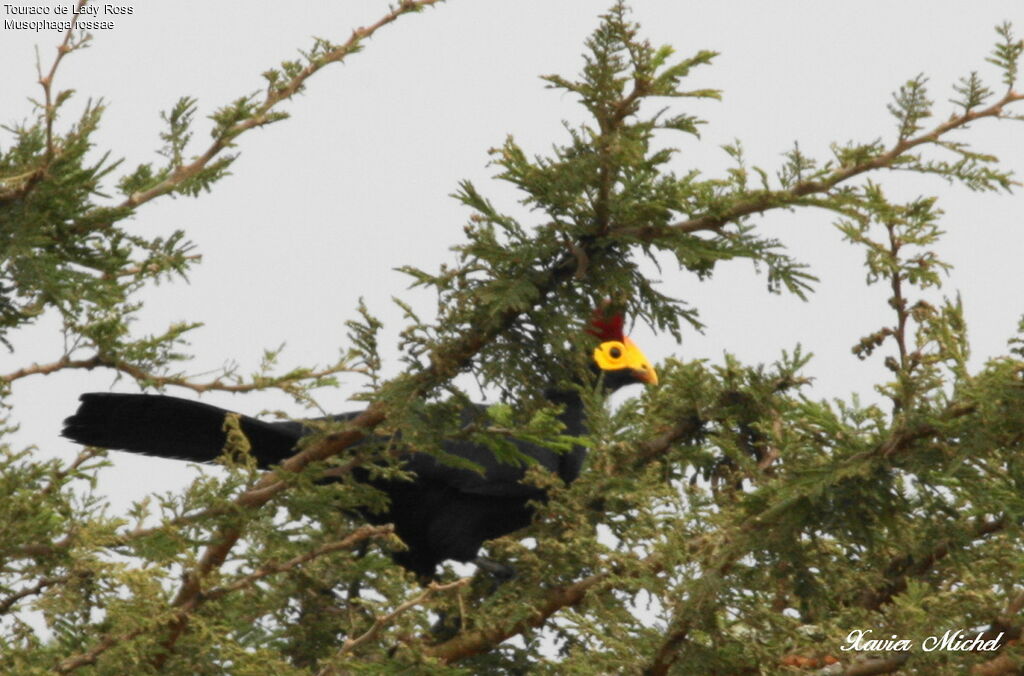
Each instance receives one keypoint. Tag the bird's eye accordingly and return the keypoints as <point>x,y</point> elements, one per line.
<point>611,355</point>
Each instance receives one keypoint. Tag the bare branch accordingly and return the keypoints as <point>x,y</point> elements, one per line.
<point>64,362</point>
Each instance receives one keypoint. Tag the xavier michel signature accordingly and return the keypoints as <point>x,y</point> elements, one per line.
<point>953,640</point>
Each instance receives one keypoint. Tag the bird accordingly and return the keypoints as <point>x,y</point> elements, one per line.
<point>442,513</point>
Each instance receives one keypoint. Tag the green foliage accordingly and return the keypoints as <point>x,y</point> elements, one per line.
<point>910,106</point>
<point>726,522</point>
<point>1006,54</point>
<point>56,248</point>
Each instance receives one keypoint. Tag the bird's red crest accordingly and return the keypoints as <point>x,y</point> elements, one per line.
<point>606,324</point>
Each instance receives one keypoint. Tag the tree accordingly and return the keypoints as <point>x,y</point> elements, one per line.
<point>714,529</point>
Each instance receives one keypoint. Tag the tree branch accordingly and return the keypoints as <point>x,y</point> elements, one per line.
<point>274,96</point>
<point>354,538</point>
<point>764,200</point>
<point>45,582</point>
<point>384,620</point>
<point>181,612</point>
<point>909,566</point>
<point>668,653</point>
<point>146,268</point>
<point>480,641</point>
<point>83,456</point>
<point>46,81</point>
<point>145,377</point>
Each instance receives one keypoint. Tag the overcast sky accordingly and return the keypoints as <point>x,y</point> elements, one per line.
<point>321,208</point>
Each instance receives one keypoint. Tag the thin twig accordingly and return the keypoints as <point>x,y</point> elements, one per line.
<point>47,80</point>
<point>383,621</point>
<point>90,656</point>
<point>145,268</point>
<point>83,456</point>
<point>143,376</point>
<point>357,537</point>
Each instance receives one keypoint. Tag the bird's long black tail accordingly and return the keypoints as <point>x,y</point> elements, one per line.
<point>169,427</point>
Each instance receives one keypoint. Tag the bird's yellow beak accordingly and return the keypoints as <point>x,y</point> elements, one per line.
<point>613,355</point>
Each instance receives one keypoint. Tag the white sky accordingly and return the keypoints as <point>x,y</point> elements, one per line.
<point>322,207</point>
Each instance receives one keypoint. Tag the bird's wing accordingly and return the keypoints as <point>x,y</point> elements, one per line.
<point>498,479</point>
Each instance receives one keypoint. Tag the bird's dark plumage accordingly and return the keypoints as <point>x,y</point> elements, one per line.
<point>444,513</point>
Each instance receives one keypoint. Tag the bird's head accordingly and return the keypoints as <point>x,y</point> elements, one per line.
<point>616,357</point>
